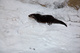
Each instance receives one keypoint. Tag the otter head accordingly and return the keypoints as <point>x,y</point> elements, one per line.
<point>31,15</point>
<point>34,16</point>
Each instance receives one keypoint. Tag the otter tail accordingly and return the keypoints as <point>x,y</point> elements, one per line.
<point>60,22</point>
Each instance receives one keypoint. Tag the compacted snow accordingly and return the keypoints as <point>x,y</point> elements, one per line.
<point>20,34</point>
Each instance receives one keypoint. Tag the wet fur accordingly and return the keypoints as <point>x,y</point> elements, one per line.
<point>46,19</point>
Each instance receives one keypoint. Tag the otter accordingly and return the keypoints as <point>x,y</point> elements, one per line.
<point>49,19</point>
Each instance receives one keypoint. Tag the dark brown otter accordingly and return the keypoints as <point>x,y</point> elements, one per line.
<point>46,19</point>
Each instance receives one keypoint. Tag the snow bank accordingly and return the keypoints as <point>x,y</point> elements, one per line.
<point>46,3</point>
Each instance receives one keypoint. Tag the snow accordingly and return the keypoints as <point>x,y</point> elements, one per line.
<point>20,34</point>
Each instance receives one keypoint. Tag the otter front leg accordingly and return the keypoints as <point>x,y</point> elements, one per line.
<point>49,23</point>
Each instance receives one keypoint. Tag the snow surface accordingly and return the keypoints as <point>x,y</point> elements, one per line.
<point>20,34</point>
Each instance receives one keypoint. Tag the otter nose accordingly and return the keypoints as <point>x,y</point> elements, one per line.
<point>29,15</point>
